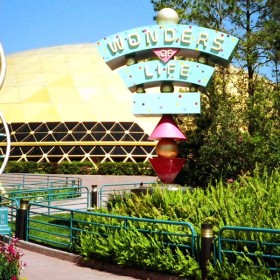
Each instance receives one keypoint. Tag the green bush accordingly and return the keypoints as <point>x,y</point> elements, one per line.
<point>46,168</point>
<point>244,268</point>
<point>83,168</point>
<point>250,201</point>
<point>10,261</point>
<point>132,248</point>
<point>75,167</point>
<point>125,168</point>
<point>21,167</point>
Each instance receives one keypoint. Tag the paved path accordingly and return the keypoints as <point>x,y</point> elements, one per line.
<point>42,267</point>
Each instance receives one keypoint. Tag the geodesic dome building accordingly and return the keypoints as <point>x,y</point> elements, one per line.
<point>64,103</point>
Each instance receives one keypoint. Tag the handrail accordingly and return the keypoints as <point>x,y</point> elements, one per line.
<point>132,184</point>
<point>220,238</point>
<point>239,228</point>
<point>57,209</point>
<point>18,179</point>
<point>36,183</point>
<point>191,227</point>
<point>12,200</point>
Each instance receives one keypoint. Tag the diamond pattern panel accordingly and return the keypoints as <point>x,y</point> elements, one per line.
<point>94,141</point>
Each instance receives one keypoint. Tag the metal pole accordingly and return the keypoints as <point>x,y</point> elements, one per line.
<point>206,248</point>
<point>21,219</point>
<point>94,196</point>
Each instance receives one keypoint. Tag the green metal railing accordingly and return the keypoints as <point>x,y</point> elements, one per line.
<point>76,197</point>
<point>46,194</point>
<point>261,243</point>
<point>24,181</point>
<point>62,228</point>
<point>120,189</point>
<point>60,209</point>
<point>60,225</point>
<point>12,204</point>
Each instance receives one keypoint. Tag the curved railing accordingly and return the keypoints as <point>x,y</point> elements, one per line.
<point>7,132</point>
<point>3,66</point>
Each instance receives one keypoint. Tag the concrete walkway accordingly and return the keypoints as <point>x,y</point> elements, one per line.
<point>43,267</point>
<point>45,263</point>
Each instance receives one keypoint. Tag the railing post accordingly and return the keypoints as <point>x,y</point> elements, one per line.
<point>206,248</point>
<point>94,196</point>
<point>21,219</point>
<point>71,226</point>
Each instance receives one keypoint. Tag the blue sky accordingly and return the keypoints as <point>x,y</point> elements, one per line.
<point>31,24</point>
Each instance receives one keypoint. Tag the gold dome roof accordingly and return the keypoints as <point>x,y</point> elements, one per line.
<point>63,84</point>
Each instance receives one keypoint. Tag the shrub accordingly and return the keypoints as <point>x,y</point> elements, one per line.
<point>135,249</point>
<point>10,263</point>
<point>243,268</point>
<point>75,167</point>
<point>125,168</point>
<point>84,168</point>
<point>22,167</point>
<point>250,201</point>
<point>47,168</point>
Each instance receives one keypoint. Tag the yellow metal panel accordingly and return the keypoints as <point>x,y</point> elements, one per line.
<point>64,95</point>
<point>28,67</point>
<point>41,112</point>
<point>11,96</point>
<point>40,96</point>
<point>73,83</point>
<point>26,92</point>
<point>62,81</point>
<point>10,113</point>
<point>54,67</point>
<point>52,78</point>
<point>30,79</point>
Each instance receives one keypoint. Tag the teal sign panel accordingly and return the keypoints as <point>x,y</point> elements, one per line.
<point>175,70</point>
<point>190,39</point>
<point>166,103</point>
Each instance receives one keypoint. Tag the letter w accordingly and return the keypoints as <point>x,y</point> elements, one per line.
<point>116,45</point>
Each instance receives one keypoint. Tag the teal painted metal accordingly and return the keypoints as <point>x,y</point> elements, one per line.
<point>5,229</point>
<point>225,244</point>
<point>23,180</point>
<point>75,196</point>
<point>180,71</point>
<point>190,39</point>
<point>12,204</point>
<point>63,230</point>
<point>166,103</point>
<point>108,189</point>
<point>46,194</point>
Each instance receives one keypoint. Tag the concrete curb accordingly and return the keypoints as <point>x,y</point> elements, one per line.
<point>97,264</point>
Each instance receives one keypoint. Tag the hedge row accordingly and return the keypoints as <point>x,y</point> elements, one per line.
<point>82,168</point>
<point>249,201</point>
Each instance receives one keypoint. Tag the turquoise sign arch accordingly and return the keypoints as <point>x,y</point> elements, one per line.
<point>191,40</point>
<point>161,43</point>
<point>179,71</point>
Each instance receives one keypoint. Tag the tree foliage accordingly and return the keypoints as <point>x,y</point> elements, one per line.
<point>239,122</point>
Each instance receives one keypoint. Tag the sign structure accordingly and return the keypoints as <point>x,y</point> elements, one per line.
<point>167,55</point>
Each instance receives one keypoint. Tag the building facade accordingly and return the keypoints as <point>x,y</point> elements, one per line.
<point>65,104</point>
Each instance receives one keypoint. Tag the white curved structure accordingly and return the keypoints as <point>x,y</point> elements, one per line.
<point>3,66</point>
<point>7,133</point>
